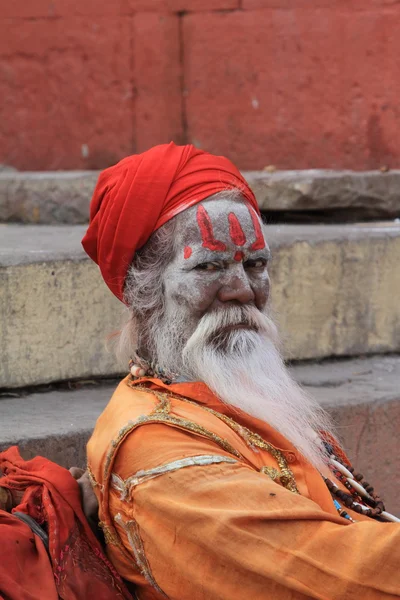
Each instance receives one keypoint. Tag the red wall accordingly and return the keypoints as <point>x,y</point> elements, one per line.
<point>294,83</point>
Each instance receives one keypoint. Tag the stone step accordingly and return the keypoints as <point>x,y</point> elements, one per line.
<point>56,197</point>
<point>55,424</point>
<point>328,194</point>
<point>57,312</point>
<point>363,396</point>
<point>335,290</point>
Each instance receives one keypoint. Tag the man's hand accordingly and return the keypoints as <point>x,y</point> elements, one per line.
<point>89,501</point>
<point>9,499</point>
<point>6,502</point>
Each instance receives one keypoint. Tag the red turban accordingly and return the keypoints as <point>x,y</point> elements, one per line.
<point>142,192</point>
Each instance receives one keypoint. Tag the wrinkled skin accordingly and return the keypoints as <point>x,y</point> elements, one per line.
<point>201,279</point>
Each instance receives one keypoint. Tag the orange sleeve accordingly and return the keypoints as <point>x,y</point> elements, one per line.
<point>219,530</point>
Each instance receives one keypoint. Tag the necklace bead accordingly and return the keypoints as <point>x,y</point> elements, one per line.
<point>361,492</point>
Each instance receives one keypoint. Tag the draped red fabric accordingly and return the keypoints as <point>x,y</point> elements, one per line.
<point>77,568</point>
<point>142,192</point>
<point>25,569</point>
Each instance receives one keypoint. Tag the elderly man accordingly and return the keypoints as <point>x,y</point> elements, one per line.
<point>217,477</point>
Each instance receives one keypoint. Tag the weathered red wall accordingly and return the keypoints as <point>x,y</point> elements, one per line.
<point>294,83</point>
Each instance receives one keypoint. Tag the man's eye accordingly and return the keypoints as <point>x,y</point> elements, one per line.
<point>257,263</point>
<point>208,266</point>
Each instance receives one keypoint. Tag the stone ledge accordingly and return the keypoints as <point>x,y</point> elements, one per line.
<point>335,292</point>
<point>362,395</point>
<point>64,196</point>
<point>54,424</point>
<point>346,195</point>
<point>57,311</point>
<point>46,197</point>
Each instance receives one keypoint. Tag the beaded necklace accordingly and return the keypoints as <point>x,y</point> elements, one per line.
<point>139,367</point>
<point>360,497</point>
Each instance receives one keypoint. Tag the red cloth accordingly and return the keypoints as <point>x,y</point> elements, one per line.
<point>142,192</point>
<point>25,569</point>
<point>78,568</point>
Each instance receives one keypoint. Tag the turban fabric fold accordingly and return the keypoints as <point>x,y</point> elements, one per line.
<point>139,194</point>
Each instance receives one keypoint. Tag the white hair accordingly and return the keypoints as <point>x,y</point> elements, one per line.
<point>243,367</point>
<point>144,291</point>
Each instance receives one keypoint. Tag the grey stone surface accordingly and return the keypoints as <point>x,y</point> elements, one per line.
<point>362,395</point>
<point>64,196</point>
<point>344,383</point>
<point>365,194</point>
<point>46,197</point>
<point>57,314</point>
<point>335,289</point>
<point>335,292</point>
<point>25,245</point>
<point>55,424</point>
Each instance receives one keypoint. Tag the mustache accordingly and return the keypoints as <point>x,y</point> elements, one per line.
<point>219,322</point>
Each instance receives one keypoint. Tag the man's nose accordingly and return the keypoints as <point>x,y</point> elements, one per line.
<point>236,289</point>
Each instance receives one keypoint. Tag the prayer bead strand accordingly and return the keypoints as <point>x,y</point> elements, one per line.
<point>362,498</point>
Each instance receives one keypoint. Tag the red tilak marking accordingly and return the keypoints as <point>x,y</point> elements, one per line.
<point>206,230</point>
<point>187,252</point>
<point>259,241</point>
<point>235,230</point>
<point>239,256</point>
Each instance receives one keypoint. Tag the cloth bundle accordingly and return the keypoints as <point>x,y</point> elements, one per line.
<point>74,566</point>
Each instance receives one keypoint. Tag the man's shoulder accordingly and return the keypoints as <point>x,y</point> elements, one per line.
<point>133,404</point>
<point>128,404</point>
<point>142,426</point>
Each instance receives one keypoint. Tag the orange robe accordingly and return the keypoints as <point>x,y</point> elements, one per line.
<point>200,501</point>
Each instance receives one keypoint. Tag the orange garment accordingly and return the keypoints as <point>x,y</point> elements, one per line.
<point>192,506</point>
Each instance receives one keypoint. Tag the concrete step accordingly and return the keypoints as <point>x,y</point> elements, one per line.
<point>57,312</point>
<point>55,424</point>
<point>59,197</point>
<point>363,396</point>
<point>64,196</point>
<point>339,195</point>
<point>335,290</point>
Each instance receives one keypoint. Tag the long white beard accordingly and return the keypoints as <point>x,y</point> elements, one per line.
<point>244,368</point>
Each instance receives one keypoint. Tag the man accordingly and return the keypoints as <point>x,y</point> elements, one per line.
<point>216,476</point>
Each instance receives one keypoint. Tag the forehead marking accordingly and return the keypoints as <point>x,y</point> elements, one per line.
<point>235,230</point>
<point>238,256</point>
<point>259,242</point>
<point>206,230</point>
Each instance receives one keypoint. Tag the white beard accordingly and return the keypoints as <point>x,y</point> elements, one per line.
<point>244,368</point>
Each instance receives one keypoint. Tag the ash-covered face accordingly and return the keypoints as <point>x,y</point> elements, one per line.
<point>210,321</point>
<point>220,261</point>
